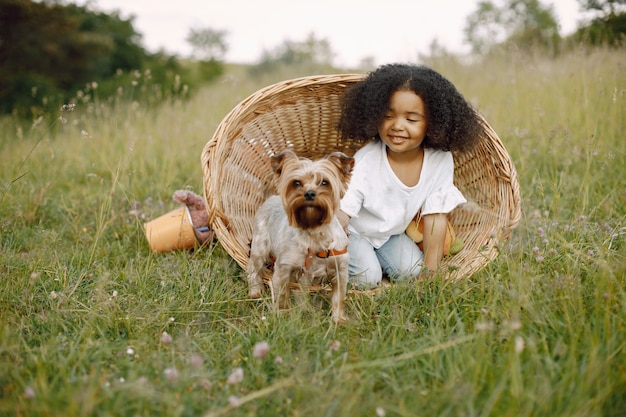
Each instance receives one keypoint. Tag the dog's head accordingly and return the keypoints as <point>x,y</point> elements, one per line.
<point>311,190</point>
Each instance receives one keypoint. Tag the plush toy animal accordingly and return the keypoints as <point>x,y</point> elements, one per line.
<point>452,244</point>
<point>198,212</point>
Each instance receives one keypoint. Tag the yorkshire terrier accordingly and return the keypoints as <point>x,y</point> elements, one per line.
<point>297,233</point>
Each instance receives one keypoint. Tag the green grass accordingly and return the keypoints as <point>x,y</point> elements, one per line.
<point>84,303</point>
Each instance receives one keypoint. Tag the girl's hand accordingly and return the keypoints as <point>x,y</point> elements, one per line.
<point>435,226</point>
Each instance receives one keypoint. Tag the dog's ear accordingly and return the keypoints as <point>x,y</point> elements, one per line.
<point>343,162</point>
<point>278,161</point>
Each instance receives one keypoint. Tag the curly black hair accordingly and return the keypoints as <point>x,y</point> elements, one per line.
<point>453,124</point>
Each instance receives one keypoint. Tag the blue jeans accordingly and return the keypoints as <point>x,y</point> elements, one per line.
<point>399,258</point>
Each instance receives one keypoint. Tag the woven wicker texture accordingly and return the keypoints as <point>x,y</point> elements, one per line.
<point>302,114</point>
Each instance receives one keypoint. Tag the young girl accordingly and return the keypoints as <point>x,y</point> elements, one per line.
<point>416,117</point>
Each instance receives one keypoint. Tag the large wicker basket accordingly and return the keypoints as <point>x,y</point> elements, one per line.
<point>302,114</point>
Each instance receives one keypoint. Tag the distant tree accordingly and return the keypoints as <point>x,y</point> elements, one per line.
<point>605,7</point>
<point>311,53</point>
<point>607,27</point>
<point>485,27</point>
<point>209,44</point>
<point>527,23</point>
<point>367,63</point>
<point>126,54</point>
<point>47,49</point>
<point>315,50</point>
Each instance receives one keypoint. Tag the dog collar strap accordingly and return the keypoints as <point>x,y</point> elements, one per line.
<point>330,252</point>
<point>324,253</point>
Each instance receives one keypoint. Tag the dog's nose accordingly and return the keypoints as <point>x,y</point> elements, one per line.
<point>309,195</point>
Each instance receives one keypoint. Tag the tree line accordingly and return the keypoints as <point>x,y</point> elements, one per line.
<point>52,52</point>
<point>531,25</point>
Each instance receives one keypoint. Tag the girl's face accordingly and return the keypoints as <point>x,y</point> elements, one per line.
<point>404,127</point>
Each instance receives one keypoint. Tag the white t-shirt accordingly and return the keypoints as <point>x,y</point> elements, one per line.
<point>380,205</point>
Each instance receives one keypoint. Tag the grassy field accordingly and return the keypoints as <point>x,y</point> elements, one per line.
<point>94,324</point>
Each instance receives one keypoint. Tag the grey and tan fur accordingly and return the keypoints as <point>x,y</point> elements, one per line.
<point>298,232</point>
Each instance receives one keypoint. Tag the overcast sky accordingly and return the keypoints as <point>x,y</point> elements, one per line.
<point>386,30</point>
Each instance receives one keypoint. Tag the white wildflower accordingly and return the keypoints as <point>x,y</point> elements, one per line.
<point>166,339</point>
<point>196,361</point>
<point>261,350</point>
<point>171,374</point>
<point>235,377</point>
<point>29,393</point>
